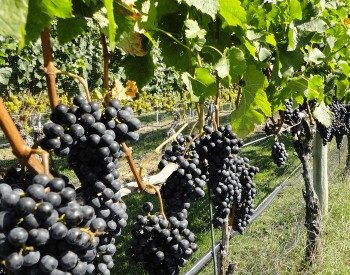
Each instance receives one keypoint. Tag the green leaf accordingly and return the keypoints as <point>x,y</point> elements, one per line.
<point>298,89</point>
<point>68,29</point>
<point>195,34</point>
<point>314,56</point>
<point>243,121</point>
<point>323,114</point>
<point>223,67</point>
<point>237,62</point>
<point>174,54</point>
<point>263,53</point>
<point>41,13</point>
<point>13,17</point>
<point>209,7</point>
<point>193,30</point>
<point>270,38</point>
<point>315,87</point>
<point>112,26</point>
<point>263,103</point>
<point>246,116</point>
<point>139,68</point>
<point>202,86</point>
<point>314,25</point>
<point>233,13</point>
<point>5,74</point>
<point>37,20</point>
<point>60,9</point>
<point>291,62</point>
<point>292,37</point>
<point>295,11</point>
<point>342,87</point>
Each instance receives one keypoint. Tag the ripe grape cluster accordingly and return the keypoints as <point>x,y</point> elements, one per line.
<point>279,153</point>
<point>229,176</point>
<point>161,245</point>
<point>93,152</point>
<point>340,125</point>
<point>291,116</point>
<point>187,183</point>
<point>45,230</point>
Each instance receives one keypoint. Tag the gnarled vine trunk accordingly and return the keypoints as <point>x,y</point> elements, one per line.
<point>302,146</point>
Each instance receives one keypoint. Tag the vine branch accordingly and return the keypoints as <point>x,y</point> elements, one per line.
<point>80,79</point>
<point>50,70</point>
<point>24,153</point>
<point>141,184</point>
<point>106,57</point>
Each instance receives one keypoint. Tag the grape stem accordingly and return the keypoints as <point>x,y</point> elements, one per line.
<point>81,80</point>
<point>171,138</point>
<point>161,205</point>
<point>134,171</point>
<point>24,153</point>
<point>50,70</point>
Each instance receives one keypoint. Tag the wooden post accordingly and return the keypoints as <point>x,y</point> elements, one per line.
<point>320,172</point>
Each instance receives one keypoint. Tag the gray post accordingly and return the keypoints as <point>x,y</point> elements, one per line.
<point>320,172</point>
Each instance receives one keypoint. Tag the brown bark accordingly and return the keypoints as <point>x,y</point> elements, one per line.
<point>302,146</point>
<point>50,69</point>
<point>106,57</point>
<point>347,165</point>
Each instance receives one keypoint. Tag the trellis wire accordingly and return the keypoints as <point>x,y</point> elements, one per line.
<point>258,211</point>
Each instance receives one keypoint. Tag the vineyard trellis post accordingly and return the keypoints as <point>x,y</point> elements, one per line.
<point>320,172</point>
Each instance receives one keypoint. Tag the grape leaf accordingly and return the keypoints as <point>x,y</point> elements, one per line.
<point>292,37</point>
<point>139,68</point>
<point>112,26</point>
<point>36,21</point>
<point>174,54</point>
<point>295,11</point>
<point>237,62</point>
<point>314,56</point>
<point>222,67</point>
<point>60,9</point>
<point>342,87</point>
<point>209,7</point>
<point>193,30</point>
<point>315,87</point>
<point>243,121</point>
<point>13,17</point>
<point>323,114</point>
<point>270,38</point>
<point>5,74</point>
<point>290,61</point>
<point>298,89</point>
<point>315,25</point>
<point>233,13</point>
<point>246,115</point>
<point>68,29</point>
<point>201,86</point>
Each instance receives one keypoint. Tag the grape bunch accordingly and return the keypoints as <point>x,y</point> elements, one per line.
<point>291,116</point>
<point>161,245</point>
<point>45,230</point>
<point>229,175</point>
<point>279,153</point>
<point>340,125</point>
<point>71,127</point>
<point>94,154</point>
<point>187,183</point>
